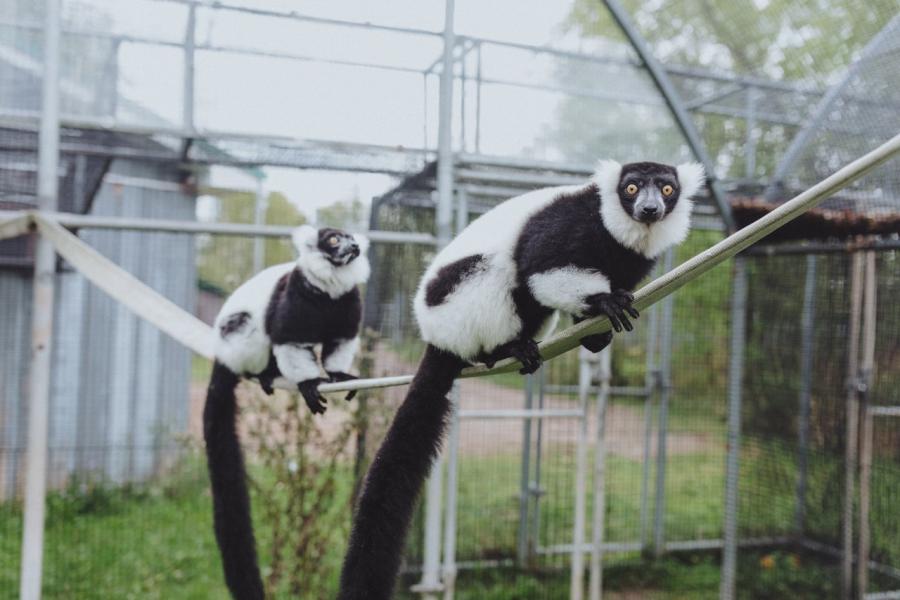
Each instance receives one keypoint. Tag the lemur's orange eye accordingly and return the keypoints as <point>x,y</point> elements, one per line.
<point>333,241</point>
<point>631,189</point>
<point>668,190</point>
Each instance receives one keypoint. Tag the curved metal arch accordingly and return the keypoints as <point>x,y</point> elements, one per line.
<point>676,106</point>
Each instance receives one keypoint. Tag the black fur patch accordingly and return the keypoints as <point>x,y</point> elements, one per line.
<point>234,323</point>
<point>299,312</point>
<point>449,277</point>
<point>570,232</point>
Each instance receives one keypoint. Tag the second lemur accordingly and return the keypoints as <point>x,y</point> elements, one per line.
<point>270,328</point>
<point>489,294</point>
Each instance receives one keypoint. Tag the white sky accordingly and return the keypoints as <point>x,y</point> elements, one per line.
<point>263,95</point>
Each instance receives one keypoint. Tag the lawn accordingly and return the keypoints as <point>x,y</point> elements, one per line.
<point>156,541</point>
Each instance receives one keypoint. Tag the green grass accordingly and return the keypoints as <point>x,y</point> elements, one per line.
<point>156,541</point>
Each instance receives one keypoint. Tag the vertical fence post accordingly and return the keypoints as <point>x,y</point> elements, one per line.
<point>259,218</point>
<point>865,459</point>
<point>42,316</point>
<point>598,525</point>
<point>536,491</point>
<point>651,384</point>
<point>807,328</point>
<point>525,476</point>
<point>431,567</point>
<point>665,380</point>
<point>586,362</point>
<point>449,570</point>
<point>852,418</point>
<point>732,464</point>
<point>187,109</point>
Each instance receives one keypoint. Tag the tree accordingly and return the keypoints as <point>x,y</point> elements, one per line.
<point>227,261</point>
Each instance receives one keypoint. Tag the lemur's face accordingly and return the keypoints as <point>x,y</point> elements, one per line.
<point>648,191</point>
<point>339,247</point>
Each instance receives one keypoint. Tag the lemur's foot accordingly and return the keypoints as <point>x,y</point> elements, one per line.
<point>338,376</point>
<point>616,306</point>
<point>309,389</point>
<point>526,352</point>
<point>266,384</point>
<point>596,342</point>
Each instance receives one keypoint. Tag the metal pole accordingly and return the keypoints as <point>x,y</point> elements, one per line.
<point>598,528</point>
<point>430,583</point>
<point>535,488</point>
<point>189,42</point>
<point>865,382</point>
<point>525,476</point>
<point>261,206</point>
<point>676,105</point>
<point>42,316</point>
<point>665,377</point>
<point>651,384</point>
<point>449,570</point>
<point>586,362</point>
<point>750,125</point>
<point>807,325</point>
<point>478,103</point>
<point>732,464</point>
<point>852,437</point>
<point>463,55</point>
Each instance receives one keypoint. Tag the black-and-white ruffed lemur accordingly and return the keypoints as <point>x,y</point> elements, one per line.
<point>488,295</point>
<point>269,328</point>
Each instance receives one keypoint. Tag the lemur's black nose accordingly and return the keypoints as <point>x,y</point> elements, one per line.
<point>650,210</point>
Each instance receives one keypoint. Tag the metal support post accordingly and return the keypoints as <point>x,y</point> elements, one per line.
<point>523,550</point>
<point>42,316</point>
<point>430,583</point>
<point>807,327</point>
<point>449,570</point>
<point>598,528</point>
<point>651,385</point>
<point>732,464</point>
<point>535,487</point>
<point>187,110</point>
<point>586,365</point>
<point>259,244</point>
<point>750,125</point>
<point>852,437</point>
<point>478,102</point>
<point>865,382</point>
<point>665,384</point>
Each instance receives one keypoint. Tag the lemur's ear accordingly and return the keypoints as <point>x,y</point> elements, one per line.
<point>691,177</point>
<point>362,241</point>
<point>607,176</point>
<point>305,237</point>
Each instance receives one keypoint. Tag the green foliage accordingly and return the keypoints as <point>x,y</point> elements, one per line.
<point>227,261</point>
<point>351,215</point>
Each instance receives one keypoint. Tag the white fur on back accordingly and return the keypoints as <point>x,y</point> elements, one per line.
<point>247,349</point>
<point>649,240</point>
<point>480,314</point>
<point>565,288</point>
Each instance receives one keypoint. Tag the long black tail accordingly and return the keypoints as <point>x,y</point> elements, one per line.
<point>395,479</point>
<point>231,501</point>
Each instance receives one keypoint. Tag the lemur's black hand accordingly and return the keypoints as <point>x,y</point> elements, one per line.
<point>309,389</point>
<point>526,352</point>
<point>616,306</point>
<point>265,382</point>
<point>338,376</point>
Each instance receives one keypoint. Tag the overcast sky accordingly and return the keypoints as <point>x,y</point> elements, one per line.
<point>264,95</point>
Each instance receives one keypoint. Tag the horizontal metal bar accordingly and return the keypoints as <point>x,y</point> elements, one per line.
<point>614,390</point>
<point>465,159</point>
<point>823,247</point>
<point>588,547</point>
<point>520,413</point>
<point>715,544</point>
<point>884,411</point>
<point>882,568</point>
<point>295,16</point>
<point>71,220</point>
<point>522,179</point>
<point>892,595</point>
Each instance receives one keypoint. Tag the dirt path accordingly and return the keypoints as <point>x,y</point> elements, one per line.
<point>624,424</point>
